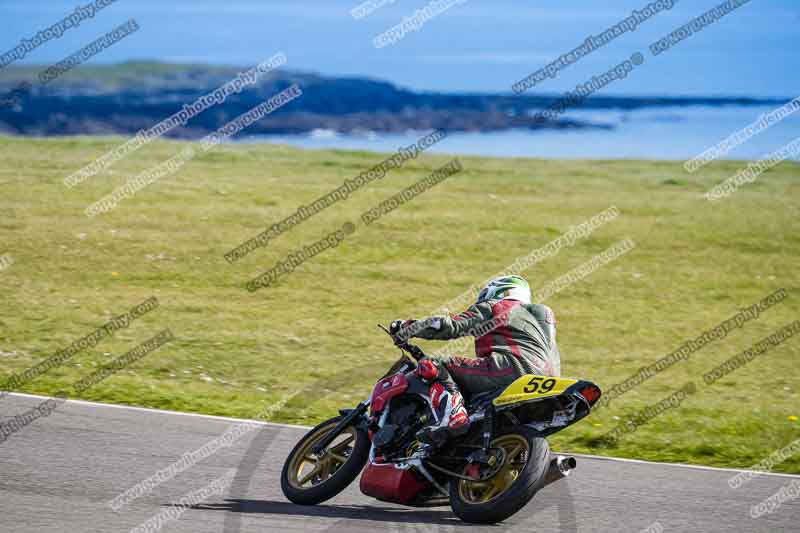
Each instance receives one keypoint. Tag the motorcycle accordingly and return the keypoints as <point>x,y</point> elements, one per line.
<point>485,475</point>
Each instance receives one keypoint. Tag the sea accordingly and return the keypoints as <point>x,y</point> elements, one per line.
<point>671,133</point>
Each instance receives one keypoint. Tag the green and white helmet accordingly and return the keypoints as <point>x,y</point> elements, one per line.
<point>506,288</point>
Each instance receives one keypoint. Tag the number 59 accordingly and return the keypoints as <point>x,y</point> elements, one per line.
<point>533,385</point>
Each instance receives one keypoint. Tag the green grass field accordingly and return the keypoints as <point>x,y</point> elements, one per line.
<point>695,264</point>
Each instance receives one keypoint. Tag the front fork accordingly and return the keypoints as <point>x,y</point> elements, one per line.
<point>348,417</point>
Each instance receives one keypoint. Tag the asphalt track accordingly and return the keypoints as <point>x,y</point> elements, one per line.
<point>60,472</point>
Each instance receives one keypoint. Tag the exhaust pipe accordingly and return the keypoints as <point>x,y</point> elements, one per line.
<point>560,467</point>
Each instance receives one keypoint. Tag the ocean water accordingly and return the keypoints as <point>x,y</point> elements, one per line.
<point>675,133</point>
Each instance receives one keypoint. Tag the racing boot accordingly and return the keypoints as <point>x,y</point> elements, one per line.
<point>451,417</point>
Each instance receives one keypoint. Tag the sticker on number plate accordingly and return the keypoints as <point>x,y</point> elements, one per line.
<point>532,387</point>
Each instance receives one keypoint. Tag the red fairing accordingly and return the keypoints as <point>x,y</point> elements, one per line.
<point>385,390</point>
<point>390,484</point>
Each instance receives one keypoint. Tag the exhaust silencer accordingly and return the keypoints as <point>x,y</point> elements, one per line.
<point>560,467</point>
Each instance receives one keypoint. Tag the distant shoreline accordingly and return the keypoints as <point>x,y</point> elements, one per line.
<point>130,98</point>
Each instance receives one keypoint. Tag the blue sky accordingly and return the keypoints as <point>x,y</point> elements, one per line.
<point>479,45</point>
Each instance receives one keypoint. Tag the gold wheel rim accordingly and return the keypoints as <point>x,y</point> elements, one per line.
<point>517,451</point>
<point>307,470</point>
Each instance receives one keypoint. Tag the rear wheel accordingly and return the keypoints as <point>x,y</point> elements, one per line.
<point>517,481</point>
<point>308,478</point>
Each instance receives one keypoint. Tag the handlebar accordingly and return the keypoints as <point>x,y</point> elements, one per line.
<point>413,350</point>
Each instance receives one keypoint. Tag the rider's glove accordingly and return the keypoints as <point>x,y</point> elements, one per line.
<point>397,325</point>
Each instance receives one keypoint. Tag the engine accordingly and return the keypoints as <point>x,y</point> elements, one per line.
<point>407,415</point>
<point>384,480</point>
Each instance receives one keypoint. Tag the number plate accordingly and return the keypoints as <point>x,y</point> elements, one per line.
<point>531,387</point>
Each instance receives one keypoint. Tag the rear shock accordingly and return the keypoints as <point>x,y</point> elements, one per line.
<point>488,429</point>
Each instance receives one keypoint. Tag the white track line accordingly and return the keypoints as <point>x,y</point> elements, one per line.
<point>162,411</point>
<point>231,419</point>
<point>756,473</point>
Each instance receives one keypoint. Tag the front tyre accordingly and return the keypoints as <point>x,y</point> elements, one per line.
<point>513,486</point>
<point>308,479</point>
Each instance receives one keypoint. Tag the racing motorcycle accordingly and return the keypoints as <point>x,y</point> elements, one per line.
<point>485,475</point>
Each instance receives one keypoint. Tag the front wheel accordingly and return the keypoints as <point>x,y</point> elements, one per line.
<point>309,479</point>
<point>517,481</point>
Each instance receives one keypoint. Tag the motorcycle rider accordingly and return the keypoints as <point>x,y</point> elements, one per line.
<point>512,338</point>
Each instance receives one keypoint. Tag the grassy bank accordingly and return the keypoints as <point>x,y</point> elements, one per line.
<point>695,265</point>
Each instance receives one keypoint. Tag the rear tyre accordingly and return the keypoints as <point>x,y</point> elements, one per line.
<point>308,480</point>
<point>512,487</point>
